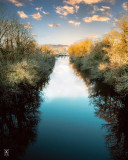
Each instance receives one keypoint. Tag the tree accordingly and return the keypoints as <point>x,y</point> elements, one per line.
<point>80,49</point>
<point>47,50</point>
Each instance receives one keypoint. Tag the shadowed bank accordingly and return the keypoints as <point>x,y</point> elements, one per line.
<point>76,120</point>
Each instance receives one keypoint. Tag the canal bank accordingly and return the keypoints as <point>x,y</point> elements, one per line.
<point>68,129</point>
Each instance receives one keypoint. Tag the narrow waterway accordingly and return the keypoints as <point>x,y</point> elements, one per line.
<point>68,128</point>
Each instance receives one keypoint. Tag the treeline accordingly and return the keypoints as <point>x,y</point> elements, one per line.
<point>105,59</point>
<point>22,61</point>
<point>24,68</point>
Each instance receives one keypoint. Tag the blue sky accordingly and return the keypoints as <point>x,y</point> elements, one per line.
<point>66,21</point>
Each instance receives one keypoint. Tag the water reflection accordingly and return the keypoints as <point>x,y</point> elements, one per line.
<point>68,128</point>
<point>64,83</point>
<point>19,117</point>
<point>114,110</point>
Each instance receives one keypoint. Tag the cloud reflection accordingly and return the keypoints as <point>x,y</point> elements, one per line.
<point>64,82</point>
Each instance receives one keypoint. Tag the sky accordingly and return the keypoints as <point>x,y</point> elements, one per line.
<point>66,21</point>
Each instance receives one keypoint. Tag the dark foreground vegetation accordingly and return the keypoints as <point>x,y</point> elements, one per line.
<point>106,59</point>
<point>24,69</point>
<point>23,63</point>
<point>19,117</point>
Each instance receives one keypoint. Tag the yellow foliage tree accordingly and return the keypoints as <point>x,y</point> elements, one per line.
<point>80,49</point>
<point>46,49</point>
<point>118,52</point>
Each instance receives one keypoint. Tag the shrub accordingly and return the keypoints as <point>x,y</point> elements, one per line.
<point>108,58</point>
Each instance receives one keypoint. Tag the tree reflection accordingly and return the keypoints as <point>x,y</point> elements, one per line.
<point>114,110</point>
<point>19,116</point>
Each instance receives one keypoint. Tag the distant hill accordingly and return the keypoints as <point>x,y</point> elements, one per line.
<point>58,46</point>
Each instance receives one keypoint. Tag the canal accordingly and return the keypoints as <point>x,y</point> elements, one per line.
<point>69,118</point>
<point>68,127</point>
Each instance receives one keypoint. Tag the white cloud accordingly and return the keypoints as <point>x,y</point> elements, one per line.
<point>74,23</point>
<point>53,25</point>
<point>104,9</point>
<point>46,13</point>
<point>110,1</point>
<point>19,3</point>
<point>77,8</point>
<point>39,9</point>
<point>22,14</point>
<point>125,6</point>
<point>37,16</point>
<point>89,2</point>
<point>96,18</point>
<point>93,36</point>
<point>65,10</point>
<point>73,2</point>
<point>16,3</point>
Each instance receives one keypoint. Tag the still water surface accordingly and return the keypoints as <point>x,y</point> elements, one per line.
<point>68,128</point>
<point>69,119</point>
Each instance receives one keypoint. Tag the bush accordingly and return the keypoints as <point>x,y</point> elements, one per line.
<point>22,61</point>
<point>108,58</point>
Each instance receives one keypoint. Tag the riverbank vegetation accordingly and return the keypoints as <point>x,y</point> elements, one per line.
<point>23,63</point>
<point>105,59</point>
<point>113,108</point>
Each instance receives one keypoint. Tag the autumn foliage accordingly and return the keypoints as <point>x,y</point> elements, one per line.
<point>81,48</point>
<point>22,60</point>
<point>106,59</point>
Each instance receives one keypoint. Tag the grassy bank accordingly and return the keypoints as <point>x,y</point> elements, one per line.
<point>23,63</point>
<point>24,68</point>
<point>105,59</point>
<point>29,71</point>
